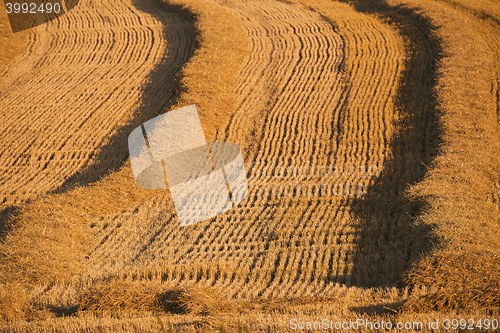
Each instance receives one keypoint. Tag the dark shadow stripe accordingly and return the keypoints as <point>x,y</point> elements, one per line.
<point>388,240</point>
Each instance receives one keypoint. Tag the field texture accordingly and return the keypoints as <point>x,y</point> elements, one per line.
<point>79,81</point>
<point>370,133</point>
<point>265,247</point>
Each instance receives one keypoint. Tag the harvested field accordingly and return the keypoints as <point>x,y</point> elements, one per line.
<point>267,234</point>
<point>55,123</point>
<point>370,133</point>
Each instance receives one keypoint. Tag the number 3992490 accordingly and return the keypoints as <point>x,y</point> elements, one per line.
<point>32,8</point>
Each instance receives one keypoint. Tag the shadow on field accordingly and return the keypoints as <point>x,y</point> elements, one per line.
<point>160,91</point>
<point>5,215</point>
<point>389,240</point>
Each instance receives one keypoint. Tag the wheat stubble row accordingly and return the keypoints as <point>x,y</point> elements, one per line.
<point>80,80</point>
<point>313,92</point>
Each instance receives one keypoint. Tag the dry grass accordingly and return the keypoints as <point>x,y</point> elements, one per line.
<point>15,304</point>
<point>12,44</point>
<point>209,312</point>
<point>139,296</point>
<point>391,99</point>
<point>462,186</point>
<point>457,280</point>
<point>211,76</point>
<point>205,303</point>
<point>77,123</point>
<point>61,226</point>
<point>62,223</point>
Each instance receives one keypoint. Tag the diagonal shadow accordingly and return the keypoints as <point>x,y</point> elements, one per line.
<point>159,93</point>
<point>388,239</point>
